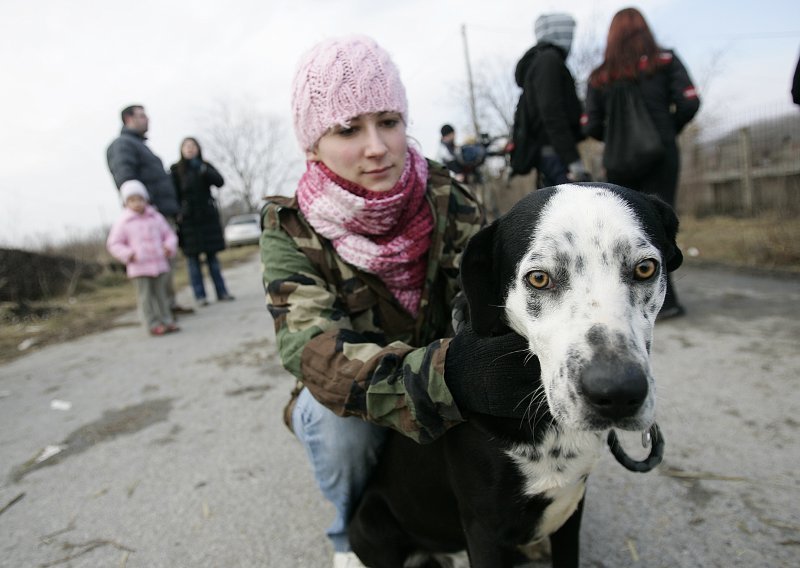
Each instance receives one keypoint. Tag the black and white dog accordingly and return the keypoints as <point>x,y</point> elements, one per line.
<point>579,271</point>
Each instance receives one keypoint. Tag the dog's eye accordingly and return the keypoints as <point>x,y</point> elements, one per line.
<point>538,279</point>
<point>645,269</point>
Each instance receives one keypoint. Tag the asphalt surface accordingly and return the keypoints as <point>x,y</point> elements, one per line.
<point>170,452</point>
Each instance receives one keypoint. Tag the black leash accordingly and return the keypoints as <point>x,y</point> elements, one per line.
<point>652,460</point>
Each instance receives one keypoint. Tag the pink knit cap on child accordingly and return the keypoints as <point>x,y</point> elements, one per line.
<point>339,79</point>
<point>133,187</point>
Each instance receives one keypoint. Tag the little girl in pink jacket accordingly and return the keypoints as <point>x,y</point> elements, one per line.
<point>143,240</point>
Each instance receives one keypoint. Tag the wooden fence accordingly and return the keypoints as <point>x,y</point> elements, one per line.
<point>751,170</point>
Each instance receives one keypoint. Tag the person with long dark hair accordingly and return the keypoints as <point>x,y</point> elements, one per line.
<point>632,54</point>
<point>199,230</point>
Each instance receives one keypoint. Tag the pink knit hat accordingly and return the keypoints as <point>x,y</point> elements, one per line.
<point>339,79</point>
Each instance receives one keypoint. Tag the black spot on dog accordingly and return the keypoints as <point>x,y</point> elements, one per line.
<point>569,237</point>
<point>580,264</point>
<point>562,259</point>
<point>555,452</point>
<point>534,305</point>
<point>530,453</point>
<point>647,345</point>
<point>622,250</point>
<point>596,336</point>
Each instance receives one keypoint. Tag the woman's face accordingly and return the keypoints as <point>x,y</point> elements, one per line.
<point>370,153</point>
<point>189,149</point>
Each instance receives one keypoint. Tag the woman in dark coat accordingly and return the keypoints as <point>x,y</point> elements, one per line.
<point>199,229</point>
<point>669,95</point>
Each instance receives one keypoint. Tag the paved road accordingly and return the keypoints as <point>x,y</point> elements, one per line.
<point>173,454</point>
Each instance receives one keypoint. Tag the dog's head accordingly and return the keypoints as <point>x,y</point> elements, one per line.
<point>579,270</point>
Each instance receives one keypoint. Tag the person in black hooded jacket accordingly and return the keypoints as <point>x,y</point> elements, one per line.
<point>552,105</point>
<point>199,231</point>
<point>669,96</point>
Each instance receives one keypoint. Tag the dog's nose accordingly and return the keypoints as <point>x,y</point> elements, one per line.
<point>614,390</point>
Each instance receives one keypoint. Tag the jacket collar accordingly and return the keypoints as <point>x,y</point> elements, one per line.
<point>128,214</point>
<point>130,132</point>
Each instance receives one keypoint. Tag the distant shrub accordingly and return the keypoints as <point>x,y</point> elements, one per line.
<point>26,275</point>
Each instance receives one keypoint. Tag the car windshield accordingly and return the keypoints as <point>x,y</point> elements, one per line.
<point>250,219</point>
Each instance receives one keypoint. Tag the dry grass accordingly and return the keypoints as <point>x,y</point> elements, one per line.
<point>768,242</point>
<point>26,328</point>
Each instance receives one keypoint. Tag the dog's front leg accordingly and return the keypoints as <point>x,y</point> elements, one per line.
<point>484,548</point>
<point>565,542</point>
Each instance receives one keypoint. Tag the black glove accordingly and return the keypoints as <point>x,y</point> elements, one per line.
<point>489,375</point>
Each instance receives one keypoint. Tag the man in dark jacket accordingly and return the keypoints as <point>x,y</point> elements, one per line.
<point>130,158</point>
<point>552,105</point>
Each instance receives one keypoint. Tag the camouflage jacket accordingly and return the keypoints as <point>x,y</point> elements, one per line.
<point>343,335</point>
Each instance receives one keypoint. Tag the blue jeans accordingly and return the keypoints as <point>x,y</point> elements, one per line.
<point>343,452</point>
<point>196,275</point>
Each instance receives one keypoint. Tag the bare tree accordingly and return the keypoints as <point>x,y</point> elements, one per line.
<point>496,91</point>
<point>250,149</point>
<point>496,95</point>
<point>586,54</point>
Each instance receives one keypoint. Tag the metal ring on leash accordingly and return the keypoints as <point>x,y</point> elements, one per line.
<point>652,460</point>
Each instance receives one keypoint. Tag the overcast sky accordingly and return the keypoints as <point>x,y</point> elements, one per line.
<point>68,68</point>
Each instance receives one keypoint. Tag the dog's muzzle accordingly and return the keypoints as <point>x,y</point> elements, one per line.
<point>614,390</point>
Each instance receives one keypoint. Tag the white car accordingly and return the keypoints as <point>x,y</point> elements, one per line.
<point>243,230</point>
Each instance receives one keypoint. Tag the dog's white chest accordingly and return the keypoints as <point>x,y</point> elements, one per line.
<point>557,469</point>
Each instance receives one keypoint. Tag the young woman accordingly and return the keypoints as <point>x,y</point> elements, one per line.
<point>632,54</point>
<point>361,271</point>
<point>199,229</point>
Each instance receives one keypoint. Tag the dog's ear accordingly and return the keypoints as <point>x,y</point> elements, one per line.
<point>673,257</point>
<point>479,278</point>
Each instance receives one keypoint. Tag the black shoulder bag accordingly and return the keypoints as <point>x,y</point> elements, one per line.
<point>633,145</point>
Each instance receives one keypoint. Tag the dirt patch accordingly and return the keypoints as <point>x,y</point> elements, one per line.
<point>112,424</point>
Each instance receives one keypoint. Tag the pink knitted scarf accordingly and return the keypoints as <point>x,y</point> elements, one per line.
<point>386,233</point>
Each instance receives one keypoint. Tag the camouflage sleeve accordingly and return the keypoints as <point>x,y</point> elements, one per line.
<point>393,385</point>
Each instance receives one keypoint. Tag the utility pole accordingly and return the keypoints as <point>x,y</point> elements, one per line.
<point>471,85</point>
